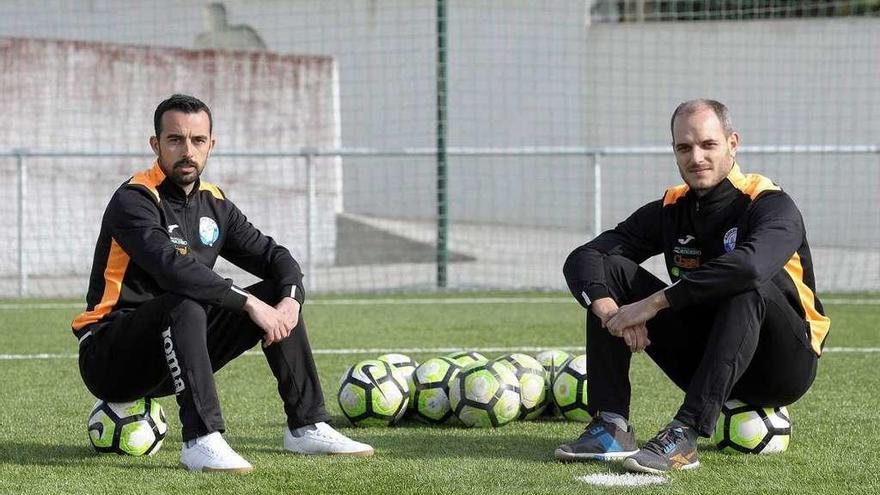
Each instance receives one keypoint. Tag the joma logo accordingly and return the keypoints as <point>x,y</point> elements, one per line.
<point>171,358</point>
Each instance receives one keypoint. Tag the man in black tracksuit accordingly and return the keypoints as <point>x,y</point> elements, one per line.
<point>740,320</point>
<point>160,321</point>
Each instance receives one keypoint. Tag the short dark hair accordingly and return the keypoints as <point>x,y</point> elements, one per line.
<point>693,106</point>
<point>181,103</point>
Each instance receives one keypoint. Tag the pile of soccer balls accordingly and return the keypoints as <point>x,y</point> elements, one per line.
<point>465,386</point>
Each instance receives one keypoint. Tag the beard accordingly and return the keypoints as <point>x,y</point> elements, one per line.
<point>182,178</point>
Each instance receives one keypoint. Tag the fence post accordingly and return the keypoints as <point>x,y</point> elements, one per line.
<point>21,199</point>
<point>442,200</point>
<point>311,208</point>
<point>597,195</point>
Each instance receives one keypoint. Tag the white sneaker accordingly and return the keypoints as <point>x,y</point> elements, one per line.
<point>211,453</point>
<point>321,438</point>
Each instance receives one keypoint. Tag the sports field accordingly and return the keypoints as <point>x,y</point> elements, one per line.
<point>44,447</point>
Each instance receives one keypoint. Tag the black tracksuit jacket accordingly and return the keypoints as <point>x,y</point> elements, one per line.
<point>155,240</point>
<point>743,233</point>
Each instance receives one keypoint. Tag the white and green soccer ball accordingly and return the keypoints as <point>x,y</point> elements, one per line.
<point>534,391</point>
<point>751,429</point>
<point>485,394</point>
<point>570,389</point>
<point>552,361</point>
<point>429,394</point>
<point>402,363</point>
<point>373,393</point>
<point>466,358</point>
<point>127,428</point>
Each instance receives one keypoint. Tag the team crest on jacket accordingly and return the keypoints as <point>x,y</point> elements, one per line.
<point>208,231</point>
<point>730,240</point>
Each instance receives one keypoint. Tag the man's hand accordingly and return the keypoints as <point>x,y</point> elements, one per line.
<point>636,338</point>
<point>289,308</point>
<point>637,313</point>
<point>604,308</point>
<point>272,321</point>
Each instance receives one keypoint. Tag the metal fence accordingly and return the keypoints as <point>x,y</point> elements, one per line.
<point>593,159</point>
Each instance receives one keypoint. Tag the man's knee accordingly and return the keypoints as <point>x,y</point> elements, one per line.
<point>627,281</point>
<point>187,313</point>
<point>745,306</point>
<point>619,268</point>
<point>616,268</point>
<point>268,291</point>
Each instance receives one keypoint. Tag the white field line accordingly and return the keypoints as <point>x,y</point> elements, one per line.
<point>428,300</point>
<point>625,479</point>
<point>420,350</point>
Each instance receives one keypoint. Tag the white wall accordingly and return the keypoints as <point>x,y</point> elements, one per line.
<point>85,96</point>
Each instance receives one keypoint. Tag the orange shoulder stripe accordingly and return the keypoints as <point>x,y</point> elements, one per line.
<point>674,193</point>
<point>211,188</point>
<point>150,179</point>
<point>751,184</point>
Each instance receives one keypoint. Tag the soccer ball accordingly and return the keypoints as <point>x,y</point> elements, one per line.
<point>752,430</point>
<point>552,361</point>
<point>373,393</point>
<point>429,395</point>
<point>570,389</point>
<point>534,392</point>
<point>402,363</point>
<point>127,428</point>
<point>465,358</point>
<point>485,394</point>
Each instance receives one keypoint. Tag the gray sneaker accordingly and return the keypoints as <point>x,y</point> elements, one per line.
<point>670,449</point>
<point>601,441</point>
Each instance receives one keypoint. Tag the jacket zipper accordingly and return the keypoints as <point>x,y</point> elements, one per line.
<point>183,218</point>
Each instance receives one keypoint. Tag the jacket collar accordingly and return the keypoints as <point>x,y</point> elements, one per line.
<point>170,190</point>
<point>722,194</point>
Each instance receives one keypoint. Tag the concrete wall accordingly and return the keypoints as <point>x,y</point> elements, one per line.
<point>86,96</point>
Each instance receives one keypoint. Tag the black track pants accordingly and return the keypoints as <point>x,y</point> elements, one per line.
<point>173,345</point>
<point>752,346</point>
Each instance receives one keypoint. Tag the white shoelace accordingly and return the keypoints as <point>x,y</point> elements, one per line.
<point>216,446</point>
<point>326,431</point>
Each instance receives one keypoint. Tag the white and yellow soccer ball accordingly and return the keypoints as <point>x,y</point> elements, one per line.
<point>570,389</point>
<point>552,360</point>
<point>485,394</point>
<point>534,391</point>
<point>466,358</point>
<point>373,393</point>
<point>751,429</point>
<point>429,394</point>
<point>127,428</point>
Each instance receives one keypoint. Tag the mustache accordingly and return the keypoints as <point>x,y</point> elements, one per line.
<point>186,162</point>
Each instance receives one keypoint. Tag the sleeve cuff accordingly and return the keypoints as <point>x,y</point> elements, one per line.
<point>295,291</point>
<point>677,295</point>
<point>594,292</point>
<point>234,298</point>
